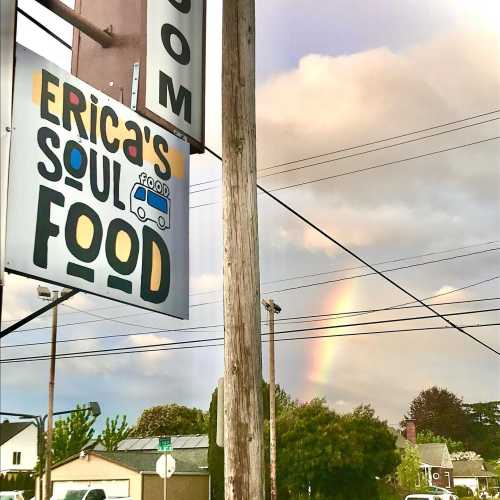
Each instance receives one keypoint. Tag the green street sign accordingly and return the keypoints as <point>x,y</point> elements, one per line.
<point>165,444</point>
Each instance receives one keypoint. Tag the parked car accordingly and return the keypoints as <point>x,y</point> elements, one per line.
<point>90,494</point>
<point>442,493</point>
<point>11,495</point>
<point>422,496</point>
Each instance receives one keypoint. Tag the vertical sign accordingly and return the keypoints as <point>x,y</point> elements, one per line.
<point>175,46</point>
<point>98,195</point>
<point>7,41</point>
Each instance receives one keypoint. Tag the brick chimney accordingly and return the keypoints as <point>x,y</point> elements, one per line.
<point>411,431</point>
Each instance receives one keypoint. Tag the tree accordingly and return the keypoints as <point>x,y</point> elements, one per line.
<point>408,471</point>
<point>215,454</point>
<point>429,437</point>
<point>284,402</point>
<point>71,434</point>
<point>326,454</point>
<point>484,433</point>
<point>441,412</point>
<point>171,419</point>
<point>114,432</point>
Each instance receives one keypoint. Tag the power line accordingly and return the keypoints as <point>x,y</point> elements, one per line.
<point>419,264</point>
<point>386,164</point>
<point>371,143</point>
<point>44,28</point>
<point>118,319</point>
<point>406,134</point>
<point>305,319</point>
<point>381,274</point>
<point>361,153</point>
<point>359,170</point>
<point>307,285</point>
<point>352,268</point>
<point>183,347</point>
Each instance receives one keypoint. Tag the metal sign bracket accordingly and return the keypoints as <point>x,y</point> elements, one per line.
<point>135,86</point>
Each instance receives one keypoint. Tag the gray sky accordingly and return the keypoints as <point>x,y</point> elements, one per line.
<point>335,76</point>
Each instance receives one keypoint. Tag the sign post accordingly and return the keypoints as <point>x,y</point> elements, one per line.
<point>165,465</point>
<point>98,196</point>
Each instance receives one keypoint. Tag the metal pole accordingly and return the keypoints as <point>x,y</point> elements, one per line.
<point>272,403</point>
<point>165,479</point>
<point>102,37</point>
<point>243,437</point>
<point>50,412</point>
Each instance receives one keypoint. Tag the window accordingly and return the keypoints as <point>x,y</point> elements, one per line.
<point>447,474</point>
<point>16,458</point>
<point>96,495</point>
<point>140,194</point>
<point>157,201</point>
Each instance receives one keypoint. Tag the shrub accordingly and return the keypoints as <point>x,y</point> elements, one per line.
<point>463,491</point>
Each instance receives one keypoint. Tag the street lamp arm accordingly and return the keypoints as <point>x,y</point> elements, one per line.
<point>20,415</point>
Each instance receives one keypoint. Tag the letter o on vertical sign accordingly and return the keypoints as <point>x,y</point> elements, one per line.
<point>167,31</point>
<point>183,6</point>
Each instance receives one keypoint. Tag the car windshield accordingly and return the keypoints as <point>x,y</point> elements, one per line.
<point>7,497</point>
<point>75,494</point>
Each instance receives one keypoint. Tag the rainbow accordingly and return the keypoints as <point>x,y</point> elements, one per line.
<point>321,352</point>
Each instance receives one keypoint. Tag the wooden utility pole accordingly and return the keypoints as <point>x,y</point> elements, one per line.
<point>272,309</point>
<point>243,434</point>
<point>50,412</point>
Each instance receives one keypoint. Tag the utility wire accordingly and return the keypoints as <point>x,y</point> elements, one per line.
<point>44,28</point>
<point>409,266</point>
<point>353,254</point>
<point>350,148</point>
<point>118,319</point>
<point>304,319</point>
<point>83,354</point>
<point>361,153</point>
<point>386,164</point>
<point>359,170</point>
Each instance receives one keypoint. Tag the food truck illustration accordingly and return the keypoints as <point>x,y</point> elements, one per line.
<point>147,204</point>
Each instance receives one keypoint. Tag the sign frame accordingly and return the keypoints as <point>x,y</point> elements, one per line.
<point>180,307</point>
<point>114,65</point>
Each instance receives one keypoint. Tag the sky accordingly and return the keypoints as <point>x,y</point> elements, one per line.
<point>329,77</point>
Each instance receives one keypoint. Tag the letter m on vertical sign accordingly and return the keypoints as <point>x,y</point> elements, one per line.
<point>172,93</point>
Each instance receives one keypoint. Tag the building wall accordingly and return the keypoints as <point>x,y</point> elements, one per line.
<point>179,487</point>
<point>93,468</point>
<point>440,477</point>
<point>470,482</point>
<point>24,442</point>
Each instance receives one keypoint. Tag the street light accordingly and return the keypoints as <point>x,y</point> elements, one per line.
<point>39,420</point>
<point>45,294</point>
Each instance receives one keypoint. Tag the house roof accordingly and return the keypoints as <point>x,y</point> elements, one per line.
<point>435,454</point>
<point>471,468</point>
<point>10,429</point>
<point>151,443</point>
<point>187,461</point>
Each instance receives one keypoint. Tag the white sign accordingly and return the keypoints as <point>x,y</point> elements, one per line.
<point>97,196</point>
<point>165,466</point>
<point>175,64</point>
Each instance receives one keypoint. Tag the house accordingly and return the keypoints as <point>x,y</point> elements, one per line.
<point>131,470</point>
<point>436,464</point>
<point>435,459</point>
<point>473,474</point>
<point>18,447</point>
